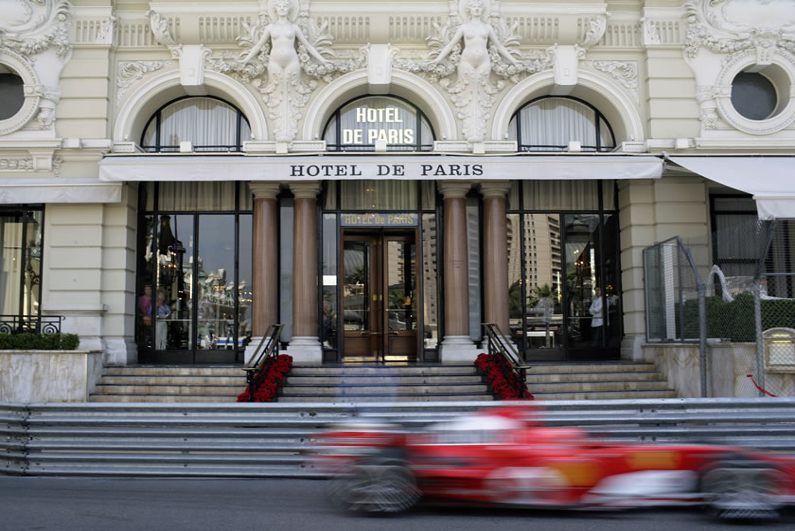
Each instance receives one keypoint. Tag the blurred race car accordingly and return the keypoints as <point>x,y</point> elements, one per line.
<point>505,456</point>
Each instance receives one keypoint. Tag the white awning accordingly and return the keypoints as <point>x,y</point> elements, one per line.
<point>771,180</point>
<point>58,190</point>
<point>392,166</point>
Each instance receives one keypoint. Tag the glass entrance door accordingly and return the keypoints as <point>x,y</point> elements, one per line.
<point>379,302</point>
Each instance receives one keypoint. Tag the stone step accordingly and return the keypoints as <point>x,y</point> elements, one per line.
<point>162,398</point>
<point>406,398</point>
<point>605,395</point>
<point>386,390</point>
<point>145,389</point>
<point>386,380</point>
<point>423,370</point>
<point>592,376</point>
<point>561,387</point>
<point>561,368</point>
<point>143,379</point>
<point>174,370</point>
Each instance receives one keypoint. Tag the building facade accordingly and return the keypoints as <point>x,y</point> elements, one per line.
<point>177,176</point>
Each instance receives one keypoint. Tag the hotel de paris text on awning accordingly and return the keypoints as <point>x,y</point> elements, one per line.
<point>405,167</point>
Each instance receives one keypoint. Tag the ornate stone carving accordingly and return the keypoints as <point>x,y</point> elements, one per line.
<point>732,26</point>
<point>131,71</point>
<point>30,28</point>
<point>474,49</point>
<point>105,32</point>
<point>625,73</point>
<point>709,119</point>
<point>284,47</point>
<point>596,30</point>
<point>14,165</point>
<point>160,28</point>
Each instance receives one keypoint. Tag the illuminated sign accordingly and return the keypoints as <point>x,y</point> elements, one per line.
<point>379,220</point>
<point>378,125</point>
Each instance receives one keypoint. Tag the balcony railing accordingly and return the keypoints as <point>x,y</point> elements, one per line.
<point>17,324</point>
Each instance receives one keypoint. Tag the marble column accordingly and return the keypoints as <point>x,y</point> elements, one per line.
<point>456,347</point>
<point>305,346</point>
<point>265,262</point>
<point>495,253</point>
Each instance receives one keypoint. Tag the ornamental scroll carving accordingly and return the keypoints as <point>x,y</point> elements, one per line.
<point>131,71</point>
<point>733,26</point>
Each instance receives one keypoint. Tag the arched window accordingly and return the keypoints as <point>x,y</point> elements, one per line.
<point>210,124</point>
<point>550,123</point>
<point>364,123</point>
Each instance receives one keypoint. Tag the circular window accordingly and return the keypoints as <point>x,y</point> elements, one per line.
<point>12,93</point>
<point>754,96</point>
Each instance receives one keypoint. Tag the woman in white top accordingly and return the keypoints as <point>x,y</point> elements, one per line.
<point>596,317</point>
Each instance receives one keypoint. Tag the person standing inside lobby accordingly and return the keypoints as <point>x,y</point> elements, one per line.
<point>597,323</point>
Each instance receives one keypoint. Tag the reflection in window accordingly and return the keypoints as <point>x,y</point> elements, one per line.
<point>20,270</point>
<point>430,269</point>
<point>208,123</point>
<point>194,280</point>
<point>550,123</point>
<point>543,278</point>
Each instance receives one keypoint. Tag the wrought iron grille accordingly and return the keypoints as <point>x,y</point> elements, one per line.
<point>17,324</point>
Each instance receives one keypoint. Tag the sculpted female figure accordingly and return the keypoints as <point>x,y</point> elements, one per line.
<point>475,61</point>
<point>282,32</point>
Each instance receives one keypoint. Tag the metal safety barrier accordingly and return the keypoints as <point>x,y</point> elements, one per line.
<point>266,440</point>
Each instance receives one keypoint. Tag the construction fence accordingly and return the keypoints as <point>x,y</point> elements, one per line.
<point>737,325</point>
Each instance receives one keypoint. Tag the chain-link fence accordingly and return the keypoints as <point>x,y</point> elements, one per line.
<point>741,319</point>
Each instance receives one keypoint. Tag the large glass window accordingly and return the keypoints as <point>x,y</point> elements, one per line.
<point>365,123</point>
<point>563,269</point>
<point>20,271</point>
<point>550,123</point>
<point>194,284</point>
<point>208,123</point>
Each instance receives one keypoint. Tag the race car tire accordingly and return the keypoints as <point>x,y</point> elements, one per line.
<point>377,486</point>
<point>742,489</point>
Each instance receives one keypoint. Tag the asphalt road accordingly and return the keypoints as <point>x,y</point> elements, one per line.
<point>85,504</point>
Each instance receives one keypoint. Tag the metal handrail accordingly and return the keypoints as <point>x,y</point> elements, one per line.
<point>257,366</point>
<point>499,344</point>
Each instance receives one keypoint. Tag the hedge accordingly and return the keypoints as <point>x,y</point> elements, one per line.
<point>735,320</point>
<point>26,341</point>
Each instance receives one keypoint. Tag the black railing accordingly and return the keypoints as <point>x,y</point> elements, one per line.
<point>265,355</point>
<point>510,363</point>
<point>19,324</point>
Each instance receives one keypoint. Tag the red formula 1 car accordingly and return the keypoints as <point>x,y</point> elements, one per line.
<point>504,456</point>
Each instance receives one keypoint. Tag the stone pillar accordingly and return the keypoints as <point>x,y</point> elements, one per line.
<point>305,346</point>
<point>495,253</point>
<point>265,262</point>
<point>456,346</point>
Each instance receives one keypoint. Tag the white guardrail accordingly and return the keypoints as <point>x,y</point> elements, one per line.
<point>266,440</point>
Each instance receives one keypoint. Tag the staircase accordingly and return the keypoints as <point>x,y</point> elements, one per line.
<point>595,381</point>
<point>159,383</point>
<point>412,383</point>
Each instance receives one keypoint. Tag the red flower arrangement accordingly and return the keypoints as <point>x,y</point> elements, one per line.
<point>504,382</point>
<point>270,380</point>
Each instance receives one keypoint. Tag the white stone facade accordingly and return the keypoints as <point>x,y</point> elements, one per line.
<point>94,72</point>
